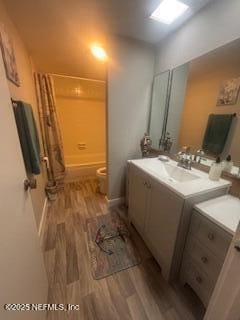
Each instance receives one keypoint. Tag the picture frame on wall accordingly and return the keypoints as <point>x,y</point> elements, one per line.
<point>228,93</point>
<point>9,58</point>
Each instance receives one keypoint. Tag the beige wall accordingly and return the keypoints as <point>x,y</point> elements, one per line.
<point>130,77</point>
<point>25,92</point>
<point>215,25</point>
<point>206,75</point>
<point>81,109</point>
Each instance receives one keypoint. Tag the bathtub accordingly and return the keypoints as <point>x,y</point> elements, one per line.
<point>77,167</point>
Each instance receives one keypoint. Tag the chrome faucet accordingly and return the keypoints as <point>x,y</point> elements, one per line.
<point>185,158</point>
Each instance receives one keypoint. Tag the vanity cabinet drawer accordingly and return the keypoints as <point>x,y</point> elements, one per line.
<point>203,258</point>
<point>210,235</point>
<point>197,279</point>
<point>205,250</point>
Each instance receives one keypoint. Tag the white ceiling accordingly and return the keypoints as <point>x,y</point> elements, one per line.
<point>57,33</point>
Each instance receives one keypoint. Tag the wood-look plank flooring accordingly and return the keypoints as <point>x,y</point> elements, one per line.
<point>138,293</point>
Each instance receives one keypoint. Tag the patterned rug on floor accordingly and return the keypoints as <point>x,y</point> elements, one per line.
<point>110,245</point>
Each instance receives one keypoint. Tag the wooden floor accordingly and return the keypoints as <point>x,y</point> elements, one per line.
<point>138,293</point>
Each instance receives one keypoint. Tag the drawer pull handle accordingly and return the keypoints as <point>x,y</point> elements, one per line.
<point>211,236</point>
<point>199,279</point>
<point>204,259</point>
<point>237,245</point>
<point>147,184</point>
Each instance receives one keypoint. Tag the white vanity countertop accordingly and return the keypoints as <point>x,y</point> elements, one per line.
<point>224,211</point>
<point>156,168</point>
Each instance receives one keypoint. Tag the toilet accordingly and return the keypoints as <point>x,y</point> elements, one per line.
<point>102,179</point>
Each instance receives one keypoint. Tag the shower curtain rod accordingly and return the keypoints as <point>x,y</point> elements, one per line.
<point>74,77</point>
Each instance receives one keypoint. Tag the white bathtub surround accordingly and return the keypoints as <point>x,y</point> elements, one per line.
<point>85,158</point>
<point>75,171</point>
<point>224,211</point>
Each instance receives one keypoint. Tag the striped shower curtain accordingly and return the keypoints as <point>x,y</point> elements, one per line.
<point>52,140</point>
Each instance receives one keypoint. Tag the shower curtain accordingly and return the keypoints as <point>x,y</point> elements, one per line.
<point>52,140</point>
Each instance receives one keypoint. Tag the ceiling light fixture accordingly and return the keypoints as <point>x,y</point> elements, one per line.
<point>168,11</point>
<point>99,53</point>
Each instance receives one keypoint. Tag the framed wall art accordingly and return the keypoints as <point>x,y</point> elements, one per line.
<point>9,56</point>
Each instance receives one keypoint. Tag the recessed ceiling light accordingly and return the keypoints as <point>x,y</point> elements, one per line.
<point>168,11</point>
<point>99,52</point>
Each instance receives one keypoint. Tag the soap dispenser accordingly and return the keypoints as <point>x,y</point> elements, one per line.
<point>216,170</point>
<point>228,164</point>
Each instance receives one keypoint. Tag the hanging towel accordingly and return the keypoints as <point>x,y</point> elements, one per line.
<point>28,136</point>
<point>216,133</point>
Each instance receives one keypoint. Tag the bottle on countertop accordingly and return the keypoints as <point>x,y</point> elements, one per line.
<point>228,164</point>
<point>216,170</point>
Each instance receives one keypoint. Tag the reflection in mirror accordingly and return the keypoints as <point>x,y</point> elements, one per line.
<point>158,107</point>
<point>211,101</point>
<point>198,105</point>
<point>176,103</point>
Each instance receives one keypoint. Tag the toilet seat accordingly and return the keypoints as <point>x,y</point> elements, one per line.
<point>102,172</point>
<point>102,179</point>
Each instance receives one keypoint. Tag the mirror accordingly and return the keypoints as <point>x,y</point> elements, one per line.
<point>204,106</point>
<point>176,103</point>
<point>158,109</point>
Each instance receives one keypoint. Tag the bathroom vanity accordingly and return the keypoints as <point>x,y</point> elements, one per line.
<point>213,224</point>
<point>161,199</point>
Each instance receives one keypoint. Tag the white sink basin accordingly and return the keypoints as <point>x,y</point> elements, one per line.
<point>171,171</point>
<point>179,174</point>
<point>186,183</point>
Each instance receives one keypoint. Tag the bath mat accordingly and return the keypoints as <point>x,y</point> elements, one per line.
<point>110,245</point>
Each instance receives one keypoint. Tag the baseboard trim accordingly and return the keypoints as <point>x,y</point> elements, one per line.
<point>115,202</point>
<point>43,219</point>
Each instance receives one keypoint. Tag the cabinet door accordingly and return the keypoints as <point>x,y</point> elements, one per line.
<point>138,197</point>
<point>164,213</point>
